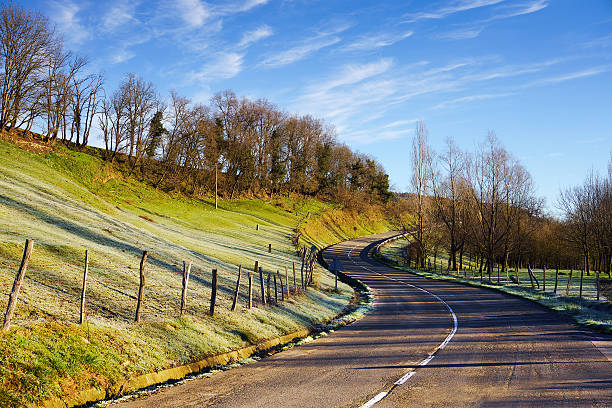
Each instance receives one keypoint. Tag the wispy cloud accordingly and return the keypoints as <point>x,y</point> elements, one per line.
<point>553,155</point>
<point>241,6</point>
<point>299,52</point>
<point>568,77</point>
<point>401,123</point>
<point>253,36</point>
<point>64,14</point>
<point>370,136</point>
<point>519,9</point>
<point>122,55</point>
<point>454,7</point>
<point>463,34</point>
<point>193,12</point>
<point>223,66</point>
<point>601,42</point>
<point>470,98</point>
<point>372,42</point>
<point>355,73</point>
<point>592,141</point>
<point>120,14</point>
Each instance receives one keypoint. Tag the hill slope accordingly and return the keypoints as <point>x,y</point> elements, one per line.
<point>68,201</point>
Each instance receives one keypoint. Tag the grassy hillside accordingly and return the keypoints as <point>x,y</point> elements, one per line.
<point>68,201</point>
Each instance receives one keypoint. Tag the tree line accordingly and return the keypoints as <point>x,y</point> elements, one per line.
<point>234,145</point>
<point>481,208</point>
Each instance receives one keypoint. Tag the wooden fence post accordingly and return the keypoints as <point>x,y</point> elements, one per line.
<point>275,290</point>
<point>544,278</point>
<point>269,248</point>
<point>581,276</point>
<point>261,281</point>
<point>17,284</point>
<point>556,278</point>
<point>84,288</point>
<point>186,272</point>
<point>250,289</point>
<point>268,297</point>
<point>302,269</point>
<point>237,289</point>
<point>287,281</point>
<point>213,293</point>
<point>294,283</point>
<point>142,285</point>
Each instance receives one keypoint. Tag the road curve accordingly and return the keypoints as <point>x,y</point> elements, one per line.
<point>411,352</point>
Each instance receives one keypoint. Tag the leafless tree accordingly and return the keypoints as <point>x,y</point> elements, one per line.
<point>27,42</point>
<point>421,187</point>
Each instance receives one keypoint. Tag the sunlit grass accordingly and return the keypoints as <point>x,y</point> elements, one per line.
<point>69,201</point>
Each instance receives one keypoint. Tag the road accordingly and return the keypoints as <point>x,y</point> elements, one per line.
<point>505,351</point>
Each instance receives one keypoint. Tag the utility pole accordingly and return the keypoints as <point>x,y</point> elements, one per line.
<point>216,205</point>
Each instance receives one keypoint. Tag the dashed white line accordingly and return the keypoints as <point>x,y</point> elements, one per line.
<point>426,361</point>
<point>374,400</point>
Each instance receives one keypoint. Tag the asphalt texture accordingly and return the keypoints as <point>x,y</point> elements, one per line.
<point>506,352</point>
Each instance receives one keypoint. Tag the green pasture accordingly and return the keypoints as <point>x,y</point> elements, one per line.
<point>68,202</point>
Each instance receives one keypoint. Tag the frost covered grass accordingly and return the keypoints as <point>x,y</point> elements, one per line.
<point>69,201</point>
<point>587,312</point>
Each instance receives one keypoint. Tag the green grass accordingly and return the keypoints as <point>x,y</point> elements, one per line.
<point>470,271</point>
<point>69,201</point>
<point>585,311</point>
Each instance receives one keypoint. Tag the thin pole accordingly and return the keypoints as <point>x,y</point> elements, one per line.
<point>85,270</point>
<point>142,285</point>
<point>186,272</point>
<point>17,284</point>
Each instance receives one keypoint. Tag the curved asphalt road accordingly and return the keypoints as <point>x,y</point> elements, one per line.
<point>505,352</point>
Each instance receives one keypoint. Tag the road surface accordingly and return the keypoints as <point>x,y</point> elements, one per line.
<point>426,343</point>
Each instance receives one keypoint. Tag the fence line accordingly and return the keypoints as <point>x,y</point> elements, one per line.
<point>149,288</point>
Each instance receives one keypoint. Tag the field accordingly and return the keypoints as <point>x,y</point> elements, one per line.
<point>69,202</point>
<point>589,283</point>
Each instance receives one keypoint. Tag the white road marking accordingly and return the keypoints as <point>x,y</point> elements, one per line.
<point>426,361</point>
<point>405,378</point>
<point>374,400</point>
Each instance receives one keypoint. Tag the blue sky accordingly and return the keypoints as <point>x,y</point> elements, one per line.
<point>537,72</point>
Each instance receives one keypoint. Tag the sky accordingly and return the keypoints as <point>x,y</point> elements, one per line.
<point>536,72</point>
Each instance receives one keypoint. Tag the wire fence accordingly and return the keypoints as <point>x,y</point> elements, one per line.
<point>53,290</point>
<point>573,283</point>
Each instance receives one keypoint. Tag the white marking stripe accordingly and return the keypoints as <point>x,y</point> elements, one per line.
<point>405,378</point>
<point>426,361</point>
<point>374,400</point>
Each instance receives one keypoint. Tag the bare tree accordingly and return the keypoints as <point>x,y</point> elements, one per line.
<point>27,42</point>
<point>85,92</point>
<point>421,186</point>
<point>448,198</point>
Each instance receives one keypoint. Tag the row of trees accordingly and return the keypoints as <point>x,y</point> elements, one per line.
<point>42,84</point>
<point>248,146</point>
<point>244,146</point>
<point>479,204</point>
<point>588,220</point>
<point>482,205</point>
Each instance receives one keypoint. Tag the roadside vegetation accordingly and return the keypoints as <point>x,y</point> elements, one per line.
<point>68,201</point>
<point>479,210</point>
<point>582,306</point>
